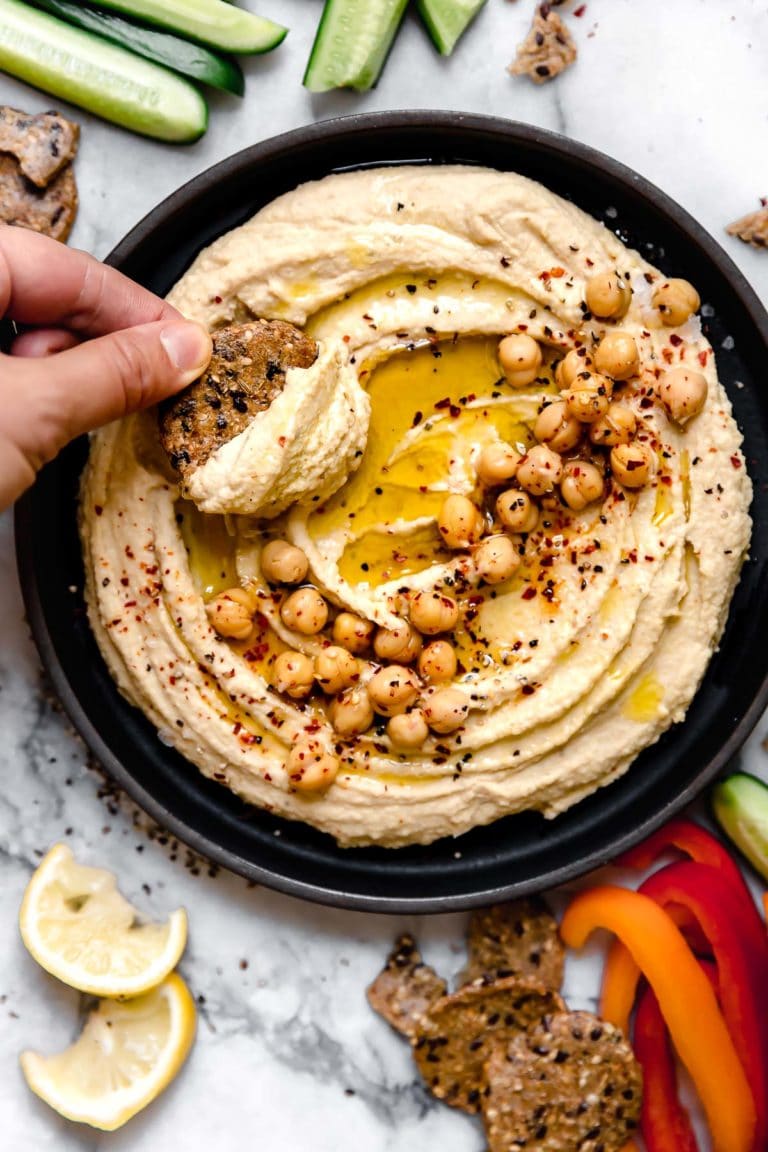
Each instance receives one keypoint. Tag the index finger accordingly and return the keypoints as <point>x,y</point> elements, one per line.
<point>44,282</point>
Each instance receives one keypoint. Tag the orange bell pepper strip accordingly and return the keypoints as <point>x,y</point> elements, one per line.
<point>621,976</point>
<point>686,999</point>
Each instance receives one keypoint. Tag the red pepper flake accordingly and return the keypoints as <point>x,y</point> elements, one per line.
<point>129,552</point>
<point>589,263</point>
<point>237,729</point>
<point>477,599</point>
<point>675,340</point>
<point>528,689</point>
<point>557,272</point>
<point>547,561</point>
<point>247,738</point>
<point>417,419</point>
<point>580,10</point>
<point>529,593</point>
<point>735,461</point>
<point>703,358</point>
<point>666,480</point>
<point>346,339</point>
<point>217,299</point>
<point>281,441</point>
<point>98,509</point>
<point>666,354</point>
<point>544,276</point>
<point>423,488</point>
<point>129,604</point>
<point>455,411</point>
<point>444,403</point>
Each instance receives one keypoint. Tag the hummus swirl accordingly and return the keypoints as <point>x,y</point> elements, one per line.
<point>407,277</point>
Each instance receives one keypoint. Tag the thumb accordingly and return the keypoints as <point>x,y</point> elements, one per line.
<point>46,402</point>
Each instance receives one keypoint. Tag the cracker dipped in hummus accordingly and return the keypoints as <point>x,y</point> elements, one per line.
<point>473,558</point>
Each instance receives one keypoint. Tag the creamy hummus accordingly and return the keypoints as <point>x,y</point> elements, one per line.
<point>407,278</point>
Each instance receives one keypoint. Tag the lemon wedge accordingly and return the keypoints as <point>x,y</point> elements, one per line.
<point>80,928</point>
<point>127,1053</point>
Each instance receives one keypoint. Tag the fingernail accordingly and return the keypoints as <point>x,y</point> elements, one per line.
<point>188,346</point>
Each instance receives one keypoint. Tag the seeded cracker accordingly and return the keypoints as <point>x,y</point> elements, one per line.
<point>570,1083</point>
<point>246,373</point>
<point>516,939</point>
<point>458,1034</point>
<point>50,210</point>
<point>406,988</point>
<point>42,144</point>
<point>547,50</point>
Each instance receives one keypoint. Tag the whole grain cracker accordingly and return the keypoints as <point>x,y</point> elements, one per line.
<point>50,210</point>
<point>459,1032</point>
<point>406,988</point>
<point>41,143</point>
<point>572,1082</point>
<point>246,373</point>
<point>520,938</point>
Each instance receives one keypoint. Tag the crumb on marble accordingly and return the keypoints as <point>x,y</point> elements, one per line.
<point>547,50</point>
<point>752,228</point>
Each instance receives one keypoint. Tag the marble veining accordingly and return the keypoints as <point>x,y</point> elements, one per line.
<point>288,1054</point>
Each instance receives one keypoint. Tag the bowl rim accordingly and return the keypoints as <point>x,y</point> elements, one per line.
<point>315,133</point>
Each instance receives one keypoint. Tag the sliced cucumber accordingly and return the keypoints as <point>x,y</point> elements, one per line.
<point>740,805</point>
<point>190,59</point>
<point>212,22</point>
<point>100,77</point>
<point>352,43</point>
<point>448,20</point>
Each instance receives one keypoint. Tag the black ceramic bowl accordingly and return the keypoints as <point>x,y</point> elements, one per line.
<point>518,854</point>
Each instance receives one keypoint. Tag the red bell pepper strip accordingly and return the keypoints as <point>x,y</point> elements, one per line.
<point>664,1122</point>
<point>686,999</point>
<point>742,971</point>
<point>692,840</point>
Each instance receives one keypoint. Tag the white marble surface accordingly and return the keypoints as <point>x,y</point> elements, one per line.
<point>288,1055</point>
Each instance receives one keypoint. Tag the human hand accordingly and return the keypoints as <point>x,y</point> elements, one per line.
<point>100,346</point>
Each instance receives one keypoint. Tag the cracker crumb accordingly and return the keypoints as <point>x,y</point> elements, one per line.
<point>752,228</point>
<point>547,50</point>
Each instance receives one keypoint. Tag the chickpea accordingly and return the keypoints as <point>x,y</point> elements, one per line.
<point>460,522</point>
<point>310,768</point>
<point>401,644</point>
<point>582,484</point>
<point>445,710</point>
<point>496,559</point>
<point>393,689</point>
<point>293,674</point>
<point>336,669</point>
<point>575,362</point>
<point>283,563</point>
<point>588,398</point>
<point>616,355</point>
<point>304,611</point>
<point>608,295</point>
<point>631,464</point>
<point>352,632</point>
<point>231,613</point>
<point>520,359</point>
<point>586,406</point>
<point>408,729</point>
<point>556,427</point>
<point>351,713</point>
<point>497,463</point>
<point>516,511</point>
<point>616,427</point>
<point>683,393</point>
<point>433,612</point>
<point>676,301</point>
<point>540,470</point>
<point>438,662</point>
